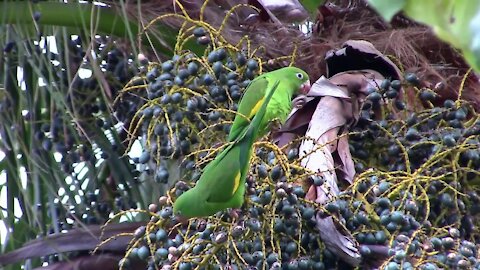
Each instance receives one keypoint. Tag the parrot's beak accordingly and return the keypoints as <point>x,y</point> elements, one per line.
<point>305,87</point>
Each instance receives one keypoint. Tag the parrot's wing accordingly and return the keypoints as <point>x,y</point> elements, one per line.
<point>224,175</point>
<point>249,105</point>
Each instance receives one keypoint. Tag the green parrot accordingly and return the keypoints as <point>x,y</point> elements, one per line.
<point>292,80</point>
<point>222,183</point>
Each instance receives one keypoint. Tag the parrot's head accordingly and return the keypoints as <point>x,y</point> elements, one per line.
<point>297,78</point>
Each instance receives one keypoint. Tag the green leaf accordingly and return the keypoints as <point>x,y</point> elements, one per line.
<point>311,5</point>
<point>81,15</point>
<point>453,21</point>
<point>475,44</point>
<point>387,9</point>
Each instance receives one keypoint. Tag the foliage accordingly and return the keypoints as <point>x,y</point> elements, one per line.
<point>311,5</point>
<point>63,132</point>
<point>64,161</point>
<point>456,22</point>
<point>69,134</point>
<point>421,190</point>
<point>393,202</point>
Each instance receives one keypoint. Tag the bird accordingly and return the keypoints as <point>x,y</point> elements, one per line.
<point>222,183</point>
<point>292,80</point>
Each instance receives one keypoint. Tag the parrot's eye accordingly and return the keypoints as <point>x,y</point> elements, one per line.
<point>300,76</point>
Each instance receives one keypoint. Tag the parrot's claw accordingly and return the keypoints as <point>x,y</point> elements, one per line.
<point>275,124</point>
<point>182,220</point>
<point>299,101</point>
<point>234,213</point>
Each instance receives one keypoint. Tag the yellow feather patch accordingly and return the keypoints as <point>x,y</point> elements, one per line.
<point>255,108</point>
<point>236,183</point>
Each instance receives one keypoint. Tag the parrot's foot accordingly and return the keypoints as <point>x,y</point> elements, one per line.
<point>234,213</point>
<point>181,219</point>
<point>299,101</point>
<point>275,124</point>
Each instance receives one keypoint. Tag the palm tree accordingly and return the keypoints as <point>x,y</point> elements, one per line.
<point>79,92</point>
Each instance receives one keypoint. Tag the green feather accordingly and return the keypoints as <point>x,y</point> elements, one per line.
<point>222,184</point>
<point>280,105</point>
